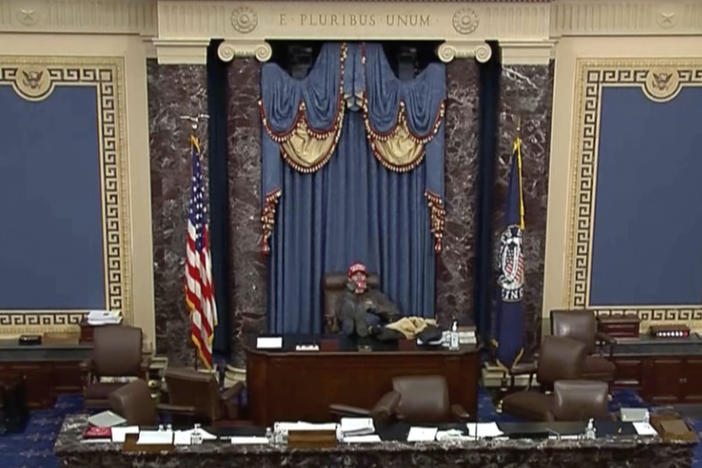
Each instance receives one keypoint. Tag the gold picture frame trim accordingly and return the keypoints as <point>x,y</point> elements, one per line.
<point>106,75</point>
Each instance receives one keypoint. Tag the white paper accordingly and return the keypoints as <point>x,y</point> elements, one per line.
<point>106,419</point>
<point>304,426</point>
<point>421,434</point>
<point>155,438</point>
<point>644,428</point>
<point>488,429</point>
<point>269,342</point>
<point>249,440</point>
<point>362,439</point>
<point>183,437</point>
<point>565,437</point>
<point>119,433</point>
<point>357,426</point>
<point>451,434</point>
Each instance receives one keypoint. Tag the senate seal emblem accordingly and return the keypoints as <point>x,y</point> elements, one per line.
<point>511,264</point>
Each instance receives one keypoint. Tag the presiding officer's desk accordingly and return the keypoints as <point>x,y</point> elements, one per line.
<point>288,385</point>
<point>612,448</point>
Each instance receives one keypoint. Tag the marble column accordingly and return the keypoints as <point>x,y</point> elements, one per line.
<point>456,263</point>
<point>246,263</point>
<point>526,91</point>
<point>173,90</point>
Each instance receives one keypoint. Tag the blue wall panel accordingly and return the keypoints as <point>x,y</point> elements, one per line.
<point>647,243</point>
<point>51,253</point>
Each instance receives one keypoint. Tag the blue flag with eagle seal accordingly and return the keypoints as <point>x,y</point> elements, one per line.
<point>509,319</point>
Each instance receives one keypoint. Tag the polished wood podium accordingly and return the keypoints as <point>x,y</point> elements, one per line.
<point>289,385</point>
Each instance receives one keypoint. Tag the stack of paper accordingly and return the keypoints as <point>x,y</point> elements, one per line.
<point>106,419</point>
<point>488,429</point>
<point>104,317</point>
<point>357,426</point>
<point>363,439</point>
<point>285,427</point>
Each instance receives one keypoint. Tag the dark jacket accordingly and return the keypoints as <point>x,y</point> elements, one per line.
<point>357,312</point>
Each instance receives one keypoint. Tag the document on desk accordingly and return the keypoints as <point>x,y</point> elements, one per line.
<point>304,426</point>
<point>644,429</point>
<point>362,439</point>
<point>155,438</point>
<point>421,434</point>
<point>248,440</point>
<point>183,437</point>
<point>119,433</point>
<point>357,426</point>
<point>487,429</point>
<point>269,342</point>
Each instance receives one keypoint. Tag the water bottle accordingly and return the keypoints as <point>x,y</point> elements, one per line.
<point>453,346</point>
<point>196,435</point>
<point>590,430</point>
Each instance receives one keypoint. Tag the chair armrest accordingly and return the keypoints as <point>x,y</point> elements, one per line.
<point>386,407</point>
<point>459,413</point>
<point>607,339</point>
<point>346,410</point>
<point>523,368</point>
<point>176,409</point>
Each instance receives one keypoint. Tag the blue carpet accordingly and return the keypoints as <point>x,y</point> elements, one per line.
<point>34,447</point>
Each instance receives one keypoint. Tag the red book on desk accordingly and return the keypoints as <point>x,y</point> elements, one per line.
<point>95,432</point>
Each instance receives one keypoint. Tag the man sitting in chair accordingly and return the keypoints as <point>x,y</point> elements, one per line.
<point>358,309</point>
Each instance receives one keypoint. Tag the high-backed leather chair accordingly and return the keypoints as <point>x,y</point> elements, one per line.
<point>116,353</point>
<point>197,395</point>
<point>560,358</point>
<point>581,325</point>
<point>422,398</point>
<point>134,403</point>
<point>333,286</point>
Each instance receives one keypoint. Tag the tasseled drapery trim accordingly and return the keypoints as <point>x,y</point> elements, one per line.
<point>437,215</point>
<point>268,218</point>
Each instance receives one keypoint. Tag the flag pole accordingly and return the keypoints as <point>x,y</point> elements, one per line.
<point>194,121</point>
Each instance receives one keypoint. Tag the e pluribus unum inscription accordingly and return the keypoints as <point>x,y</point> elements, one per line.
<point>397,20</point>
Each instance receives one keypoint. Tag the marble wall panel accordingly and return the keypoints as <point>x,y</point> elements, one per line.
<point>247,266</point>
<point>526,92</point>
<point>173,90</point>
<point>456,264</point>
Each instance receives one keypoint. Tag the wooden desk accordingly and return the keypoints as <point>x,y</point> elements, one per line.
<point>285,385</point>
<point>663,370</point>
<point>47,369</point>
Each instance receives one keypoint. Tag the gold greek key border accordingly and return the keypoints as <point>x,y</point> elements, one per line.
<point>592,75</point>
<point>106,75</point>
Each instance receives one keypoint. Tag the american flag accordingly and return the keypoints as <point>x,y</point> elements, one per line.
<point>199,291</point>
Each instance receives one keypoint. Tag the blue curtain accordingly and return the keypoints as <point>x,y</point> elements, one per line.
<point>353,208</point>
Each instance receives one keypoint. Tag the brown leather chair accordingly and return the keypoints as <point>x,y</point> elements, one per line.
<point>581,325</point>
<point>116,353</point>
<point>578,400</point>
<point>422,398</point>
<point>134,403</point>
<point>333,286</point>
<point>559,358</point>
<point>196,395</point>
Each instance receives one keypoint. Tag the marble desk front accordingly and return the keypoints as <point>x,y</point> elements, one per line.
<point>609,451</point>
